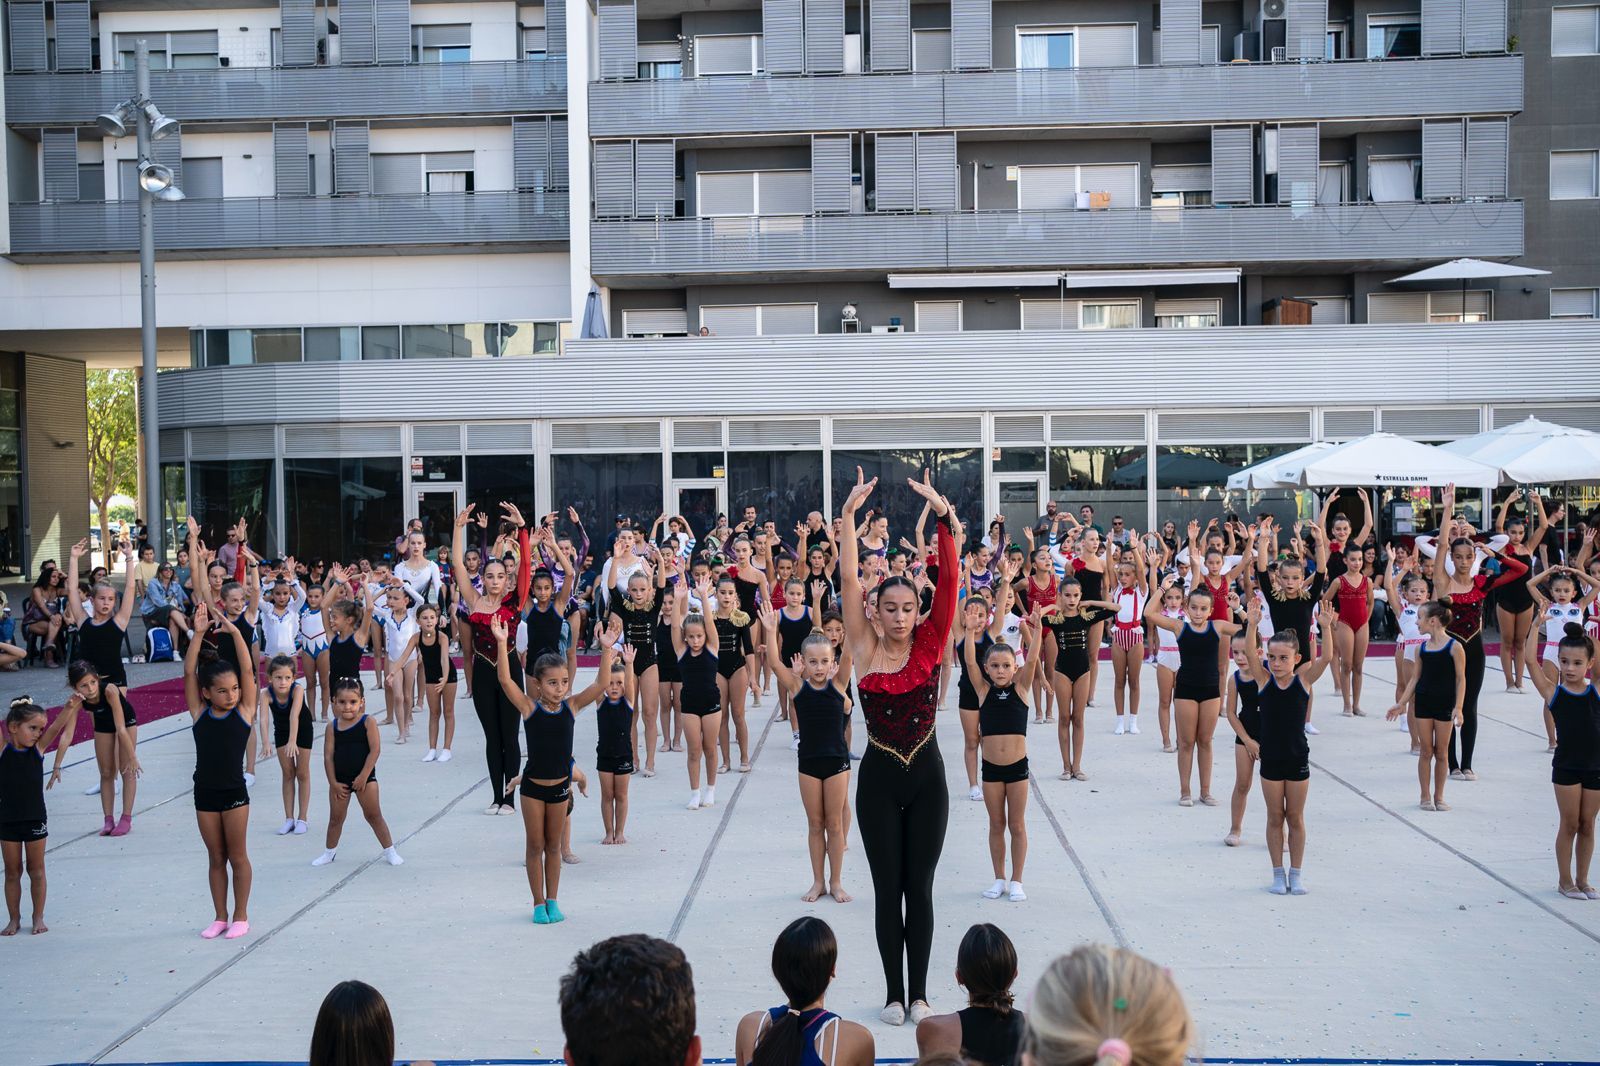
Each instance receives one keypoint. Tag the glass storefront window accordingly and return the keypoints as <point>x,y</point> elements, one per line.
<point>696,464</point>
<point>492,478</point>
<point>225,491</point>
<point>1191,483</point>
<point>1112,479</point>
<point>333,344</point>
<point>380,342</point>
<point>437,342</point>
<point>175,508</point>
<point>1019,461</point>
<point>957,474</point>
<point>604,486</point>
<point>439,468</point>
<point>228,347</point>
<point>344,509</point>
<point>783,486</point>
<point>10,467</point>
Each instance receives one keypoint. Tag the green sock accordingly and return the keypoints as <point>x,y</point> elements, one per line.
<point>553,909</point>
<point>541,915</point>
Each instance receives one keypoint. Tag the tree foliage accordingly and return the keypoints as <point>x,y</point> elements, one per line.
<point>113,441</point>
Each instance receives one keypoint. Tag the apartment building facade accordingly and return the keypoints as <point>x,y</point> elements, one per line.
<point>1074,248</point>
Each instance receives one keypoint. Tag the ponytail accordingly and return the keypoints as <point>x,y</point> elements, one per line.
<point>803,957</point>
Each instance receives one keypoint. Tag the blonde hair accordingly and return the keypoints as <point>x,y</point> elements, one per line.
<point>1099,993</point>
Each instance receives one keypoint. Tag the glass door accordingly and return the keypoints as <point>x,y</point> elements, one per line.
<point>1020,498</point>
<point>699,502</point>
<point>437,507</point>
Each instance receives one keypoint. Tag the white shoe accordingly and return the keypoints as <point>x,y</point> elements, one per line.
<point>995,891</point>
<point>1312,731</point>
<point>444,754</point>
<point>300,827</point>
<point>432,756</point>
<point>894,1014</point>
<point>1122,727</point>
<point>249,780</point>
<point>694,800</point>
<point>493,808</point>
<point>1017,895</point>
<point>325,858</point>
<point>286,828</point>
<point>975,793</point>
<point>708,796</point>
<point>919,1010</point>
<point>94,789</point>
<point>506,808</point>
<point>392,857</point>
<point>1133,725</point>
<point>794,745</point>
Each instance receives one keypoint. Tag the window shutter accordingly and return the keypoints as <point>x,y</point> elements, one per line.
<point>202,179</point>
<point>1189,307</point>
<point>889,23</point>
<point>1573,303</point>
<point>1347,424</point>
<point>352,169</point>
<point>896,172</point>
<point>1120,180</point>
<point>930,50</point>
<point>783,50</point>
<point>1232,169</point>
<point>530,152</point>
<point>1297,164</point>
<point>291,163</point>
<point>297,40</point>
<point>1442,159</point>
<point>1180,32</point>
<point>1486,156</point>
<point>25,26</point>
<point>558,152</point>
<point>824,36</point>
<point>619,39</point>
<point>781,320</point>
<point>60,151</point>
<point>936,172</point>
<point>938,316</point>
<point>1192,178</point>
<point>830,173</point>
<point>1396,308</point>
<point>1575,31</point>
<point>783,192</point>
<point>723,55</point>
<point>613,179</point>
<point>670,322</point>
<point>1450,303</point>
<point>732,193</point>
<point>1486,25</point>
<point>194,42</point>
<point>971,30</point>
<point>1049,314</point>
<point>358,42</point>
<point>1307,31</point>
<point>72,35</point>
<point>1047,188</point>
<point>1572,175</point>
<point>730,321</point>
<point>443,35</point>
<point>1329,310</point>
<point>396,174</point>
<point>1441,27</point>
<point>1432,423</point>
<point>394,31</point>
<point>655,179</point>
<point>1108,46</point>
<point>555,27</point>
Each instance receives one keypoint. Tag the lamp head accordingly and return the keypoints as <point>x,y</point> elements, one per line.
<point>158,180</point>
<point>117,122</point>
<point>160,125</point>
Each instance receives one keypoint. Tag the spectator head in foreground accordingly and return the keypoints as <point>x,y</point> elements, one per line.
<point>353,1028</point>
<point>1102,1006</point>
<point>629,1001</point>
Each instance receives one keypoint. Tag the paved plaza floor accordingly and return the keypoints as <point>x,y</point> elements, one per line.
<point>1425,935</point>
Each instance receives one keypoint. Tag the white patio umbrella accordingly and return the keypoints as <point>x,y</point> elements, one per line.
<point>1383,459</point>
<point>1465,270</point>
<point>1264,475</point>
<point>1535,452</point>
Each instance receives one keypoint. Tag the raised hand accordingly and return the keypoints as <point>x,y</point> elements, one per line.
<point>498,627</point>
<point>613,632</point>
<point>629,653</point>
<point>768,618</point>
<point>924,488</point>
<point>513,513</point>
<point>572,516</point>
<point>858,495</point>
<point>464,518</point>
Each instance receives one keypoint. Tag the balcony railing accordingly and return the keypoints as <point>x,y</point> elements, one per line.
<point>1099,96</point>
<point>1027,239</point>
<point>287,93</point>
<point>251,227</point>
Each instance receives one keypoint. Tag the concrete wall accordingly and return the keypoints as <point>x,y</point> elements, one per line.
<point>55,428</point>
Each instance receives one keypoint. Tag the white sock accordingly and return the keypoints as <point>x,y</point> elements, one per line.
<point>287,827</point>
<point>300,826</point>
<point>1122,725</point>
<point>444,755</point>
<point>708,796</point>
<point>1017,895</point>
<point>325,858</point>
<point>1295,887</point>
<point>391,856</point>
<point>431,756</point>
<point>1280,886</point>
<point>996,890</point>
<point>249,779</point>
<point>1133,723</point>
<point>694,799</point>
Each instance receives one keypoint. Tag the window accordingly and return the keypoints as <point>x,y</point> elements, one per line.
<point>671,322</point>
<point>609,484</point>
<point>938,316</point>
<point>760,320</point>
<point>202,179</point>
<point>275,345</point>
<point>534,42</point>
<point>410,173</point>
<point>727,54</point>
<point>1395,308</point>
<point>1575,31</point>
<point>782,485</point>
<point>1333,183</point>
<point>753,192</point>
<point>440,342</point>
<point>1109,314</point>
<point>91,182</point>
<point>441,44</point>
<point>1574,303</point>
<point>672,71</point>
<point>181,50</point>
<point>1188,314</point>
<point>1335,47</point>
<point>1112,479</point>
<point>1573,175</point>
<point>957,471</point>
<point>1210,45</point>
<point>380,342</point>
<point>1180,185</point>
<point>1191,483</point>
<point>930,50</point>
<point>1058,188</point>
<point>1393,36</point>
<point>221,491</point>
<point>332,344</point>
<point>1329,310</point>
<point>1394,180</point>
<point>343,508</point>
<point>660,61</point>
<point>1045,48</point>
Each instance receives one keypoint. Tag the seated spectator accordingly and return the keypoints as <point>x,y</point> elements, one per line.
<point>164,603</point>
<point>802,1030</point>
<point>629,1001</point>
<point>1103,1006</point>
<point>354,1028</point>
<point>988,1032</point>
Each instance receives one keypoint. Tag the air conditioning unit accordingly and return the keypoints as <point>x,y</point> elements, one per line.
<point>1274,9</point>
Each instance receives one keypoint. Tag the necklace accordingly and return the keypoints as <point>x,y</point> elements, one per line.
<point>894,666</point>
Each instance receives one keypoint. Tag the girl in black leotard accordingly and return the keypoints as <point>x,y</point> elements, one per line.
<point>734,645</point>
<point>795,624</point>
<point>975,613</point>
<point>1513,602</point>
<point>103,624</point>
<point>438,681</point>
<point>1197,695</point>
<point>701,693</point>
<point>1074,621</point>
<point>988,1030</point>
<point>116,731</point>
<point>668,681</point>
<point>1435,691</point>
<point>284,703</point>
<point>1240,704</point>
<point>350,747</point>
<point>613,752</point>
<point>639,612</point>
<point>545,783</point>
<point>1572,701</point>
<point>902,804</point>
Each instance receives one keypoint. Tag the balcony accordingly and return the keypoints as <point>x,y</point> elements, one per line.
<point>258,228</point>
<point>289,93</point>
<point>1102,96</point>
<point>646,251</point>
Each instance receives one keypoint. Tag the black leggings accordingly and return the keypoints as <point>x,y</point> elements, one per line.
<point>902,812</point>
<point>1469,705</point>
<point>500,721</point>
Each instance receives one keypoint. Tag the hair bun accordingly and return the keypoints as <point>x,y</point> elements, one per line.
<point>20,700</point>
<point>1574,630</point>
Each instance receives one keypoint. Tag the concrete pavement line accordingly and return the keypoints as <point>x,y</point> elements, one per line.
<point>716,837</point>
<point>1458,853</point>
<point>1083,871</point>
<point>141,740</point>
<point>137,814</point>
<point>228,964</point>
<point>1484,717</point>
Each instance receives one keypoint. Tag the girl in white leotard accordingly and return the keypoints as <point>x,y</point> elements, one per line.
<point>1167,659</point>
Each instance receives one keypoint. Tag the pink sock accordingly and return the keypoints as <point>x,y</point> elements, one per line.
<point>214,930</point>
<point>105,830</point>
<point>237,930</point>
<point>124,824</point>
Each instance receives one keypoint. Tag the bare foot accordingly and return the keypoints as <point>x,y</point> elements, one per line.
<point>620,839</point>
<point>11,927</point>
<point>664,746</point>
<point>813,893</point>
<point>679,745</point>
<point>39,926</point>
<point>722,769</point>
<point>839,894</point>
<point>607,840</point>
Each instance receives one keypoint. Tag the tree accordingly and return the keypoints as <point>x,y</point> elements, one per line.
<point>113,443</point>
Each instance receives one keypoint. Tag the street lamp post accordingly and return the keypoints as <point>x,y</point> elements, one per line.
<point>155,182</point>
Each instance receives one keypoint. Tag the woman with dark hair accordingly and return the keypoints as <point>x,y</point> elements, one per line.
<point>354,1028</point>
<point>902,802</point>
<point>802,1032</point>
<point>1514,603</point>
<point>42,617</point>
<point>988,1032</point>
